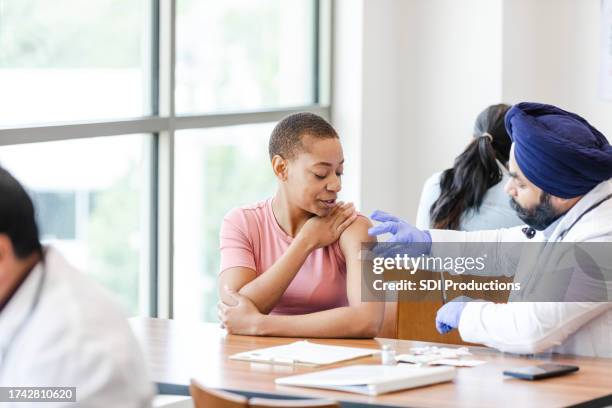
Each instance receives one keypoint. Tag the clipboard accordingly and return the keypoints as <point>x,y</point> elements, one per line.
<point>371,379</point>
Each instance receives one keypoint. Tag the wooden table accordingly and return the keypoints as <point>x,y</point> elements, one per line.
<point>178,351</point>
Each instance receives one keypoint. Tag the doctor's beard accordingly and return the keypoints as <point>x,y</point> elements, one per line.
<point>540,216</point>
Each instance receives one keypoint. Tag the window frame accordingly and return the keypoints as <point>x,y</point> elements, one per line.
<point>162,124</point>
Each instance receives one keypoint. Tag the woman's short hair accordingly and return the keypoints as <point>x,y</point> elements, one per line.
<point>286,138</point>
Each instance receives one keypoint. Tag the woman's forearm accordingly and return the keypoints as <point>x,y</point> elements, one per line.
<point>363,321</point>
<point>268,287</point>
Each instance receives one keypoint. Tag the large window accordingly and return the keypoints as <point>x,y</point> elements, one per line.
<point>136,125</point>
<point>244,54</point>
<point>72,60</point>
<point>92,204</point>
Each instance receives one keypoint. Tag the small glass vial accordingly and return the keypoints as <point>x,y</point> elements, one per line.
<point>388,355</point>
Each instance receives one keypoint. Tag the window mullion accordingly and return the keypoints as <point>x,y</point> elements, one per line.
<point>165,181</point>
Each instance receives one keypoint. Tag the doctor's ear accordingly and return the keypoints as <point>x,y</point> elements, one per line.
<point>6,247</point>
<point>279,166</point>
<point>563,204</point>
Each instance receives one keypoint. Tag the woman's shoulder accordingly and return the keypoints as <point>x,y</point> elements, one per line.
<point>433,180</point>
<point>431,188</point>
<point>256,208</point>
<point>358,229</point>
<point>248,214</point>
<point>429,194</point>
<point>495,211</point>
<point>498,194</point>
<point>355,234</point>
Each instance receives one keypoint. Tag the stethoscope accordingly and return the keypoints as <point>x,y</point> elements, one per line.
<point>24,321</point>
<point>530,231</point>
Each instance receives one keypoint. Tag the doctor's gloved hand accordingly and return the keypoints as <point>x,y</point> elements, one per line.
<point>448,316</point>
<point>401,233</point>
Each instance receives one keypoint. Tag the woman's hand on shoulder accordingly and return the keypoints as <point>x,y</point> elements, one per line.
<point>319,232</point>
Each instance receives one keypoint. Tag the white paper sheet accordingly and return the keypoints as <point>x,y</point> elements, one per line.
<point>371,379</point>
<point>458,363</point>
<point>431,355</point>
<point>305,352</point>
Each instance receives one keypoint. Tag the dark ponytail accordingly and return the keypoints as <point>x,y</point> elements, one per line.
<point>474,171</point>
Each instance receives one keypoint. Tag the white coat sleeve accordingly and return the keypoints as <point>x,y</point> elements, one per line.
<point>525,327</point>
<point>106,366</point>
<point>502,235</point>
<point>502,247</point>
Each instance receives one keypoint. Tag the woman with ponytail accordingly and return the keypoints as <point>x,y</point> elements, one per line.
<point>470,195</point>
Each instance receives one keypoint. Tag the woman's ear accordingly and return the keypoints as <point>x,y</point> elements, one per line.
<point>279,166</point>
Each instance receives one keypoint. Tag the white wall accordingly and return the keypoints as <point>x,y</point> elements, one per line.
<point>451,56</point>
<point>364,108</point>
<point>538,48</point>
<point>551,54</point>
<point>421,70</point>
<point>346,95</point>
<point>586,67</point>
<point>381,131</point>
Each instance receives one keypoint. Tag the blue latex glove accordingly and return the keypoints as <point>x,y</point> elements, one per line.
<point>401,232</point>
<point>448,316</point>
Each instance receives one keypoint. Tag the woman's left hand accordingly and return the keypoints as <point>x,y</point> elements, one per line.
<point>241,318</point>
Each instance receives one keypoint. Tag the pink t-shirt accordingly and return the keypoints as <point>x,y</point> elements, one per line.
<point>252,238</point>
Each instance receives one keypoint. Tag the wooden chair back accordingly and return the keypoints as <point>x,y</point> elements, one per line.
<point>204,397</point>
<point>297,403</point>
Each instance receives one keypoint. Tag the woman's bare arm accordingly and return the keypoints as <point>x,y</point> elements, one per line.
<point>266,289</point>
<point>358,319</point>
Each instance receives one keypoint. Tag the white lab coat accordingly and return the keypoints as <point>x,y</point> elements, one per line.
<point>76,336</point>
<point>581,328</point>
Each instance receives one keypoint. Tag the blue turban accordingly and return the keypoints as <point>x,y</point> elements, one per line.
<point>558,151</point>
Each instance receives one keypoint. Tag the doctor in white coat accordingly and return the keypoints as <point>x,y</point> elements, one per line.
<point>57,327</point>
<point>561,169</point>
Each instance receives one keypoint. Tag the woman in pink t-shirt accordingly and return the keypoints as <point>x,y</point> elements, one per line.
<point>290,264</point>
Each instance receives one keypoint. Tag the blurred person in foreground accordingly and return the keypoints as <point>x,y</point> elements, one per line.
<point>58,328</point>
